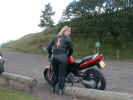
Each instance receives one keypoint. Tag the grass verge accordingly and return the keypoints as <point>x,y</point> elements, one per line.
<point>13,95</point>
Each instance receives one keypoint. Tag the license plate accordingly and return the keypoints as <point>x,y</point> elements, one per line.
<point>102,64</point>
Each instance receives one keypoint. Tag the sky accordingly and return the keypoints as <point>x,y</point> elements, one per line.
<point>21,17</point>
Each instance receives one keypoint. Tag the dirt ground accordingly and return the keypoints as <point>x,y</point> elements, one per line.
<point>119,74</point>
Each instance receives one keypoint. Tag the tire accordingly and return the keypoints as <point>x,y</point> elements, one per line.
<point>97,76</point>
<point>2,67</point>
<point>49,77</point>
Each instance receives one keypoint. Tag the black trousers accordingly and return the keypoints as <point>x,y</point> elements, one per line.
<point>59,63</point>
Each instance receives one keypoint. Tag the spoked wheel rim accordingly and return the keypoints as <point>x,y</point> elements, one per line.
<point>49,75</point>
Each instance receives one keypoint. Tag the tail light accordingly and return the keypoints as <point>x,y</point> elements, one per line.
<point>71,60</point>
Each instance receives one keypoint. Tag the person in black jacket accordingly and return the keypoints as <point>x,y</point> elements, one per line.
<point>59,48</point>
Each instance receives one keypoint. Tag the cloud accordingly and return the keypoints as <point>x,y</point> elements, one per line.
<point>18,17</point>
<point>58,6</point>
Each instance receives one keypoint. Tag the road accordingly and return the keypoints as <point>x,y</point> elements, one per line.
<point>119,74</point>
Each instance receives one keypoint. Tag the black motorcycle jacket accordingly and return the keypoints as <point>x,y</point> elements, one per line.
<point>60,44</point>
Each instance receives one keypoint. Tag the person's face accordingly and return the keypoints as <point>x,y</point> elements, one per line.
<point>68,32</point>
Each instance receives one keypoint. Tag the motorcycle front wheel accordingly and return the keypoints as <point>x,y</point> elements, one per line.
<point>94,79</point>
<point>49,77</point>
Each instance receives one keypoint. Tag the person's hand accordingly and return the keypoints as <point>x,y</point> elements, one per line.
<point>45,49</point>
<point>64,28</point>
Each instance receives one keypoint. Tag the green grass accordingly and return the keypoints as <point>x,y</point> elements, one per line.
<point>29,44</point>
<point>13,95</point>
<point>84,45</point>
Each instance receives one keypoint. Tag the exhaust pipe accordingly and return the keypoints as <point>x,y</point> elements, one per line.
<point>89,84</point>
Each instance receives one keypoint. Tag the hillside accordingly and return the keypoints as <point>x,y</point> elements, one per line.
<point>83,45</point>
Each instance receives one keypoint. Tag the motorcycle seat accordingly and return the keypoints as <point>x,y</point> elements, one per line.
<point>87,57</point>
<point>78,61</point>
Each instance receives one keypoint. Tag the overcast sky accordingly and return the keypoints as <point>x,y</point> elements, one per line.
<point>21,17</point>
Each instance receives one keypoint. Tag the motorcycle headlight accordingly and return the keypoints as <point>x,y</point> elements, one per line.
<point>102,64</point>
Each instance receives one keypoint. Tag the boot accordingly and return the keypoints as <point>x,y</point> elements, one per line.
<point>54,90</point>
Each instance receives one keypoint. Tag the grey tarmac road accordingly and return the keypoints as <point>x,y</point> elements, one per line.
<point>119,74</point>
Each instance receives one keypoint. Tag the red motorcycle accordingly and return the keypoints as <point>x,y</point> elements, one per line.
<point>87,73</point>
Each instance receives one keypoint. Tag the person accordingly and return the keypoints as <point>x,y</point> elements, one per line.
<point>59,48</point>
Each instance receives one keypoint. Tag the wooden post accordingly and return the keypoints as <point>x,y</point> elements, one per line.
<point>17,82</point>
<point>91,94</point>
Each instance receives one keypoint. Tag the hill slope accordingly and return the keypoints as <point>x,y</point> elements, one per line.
<point>83,45</point>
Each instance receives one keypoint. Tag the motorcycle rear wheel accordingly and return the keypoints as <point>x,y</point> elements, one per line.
<point>97,77</point>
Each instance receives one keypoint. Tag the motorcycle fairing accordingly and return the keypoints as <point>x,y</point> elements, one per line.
<point>91,61</point>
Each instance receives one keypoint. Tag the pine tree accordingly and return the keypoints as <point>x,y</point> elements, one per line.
<point>46,17</point>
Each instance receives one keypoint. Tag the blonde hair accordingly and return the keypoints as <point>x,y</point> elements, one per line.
<point>63,30</point>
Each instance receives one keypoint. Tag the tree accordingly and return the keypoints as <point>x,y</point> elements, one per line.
<point>105,19</point>
<point>46,17</point>
<point>82,8</point>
